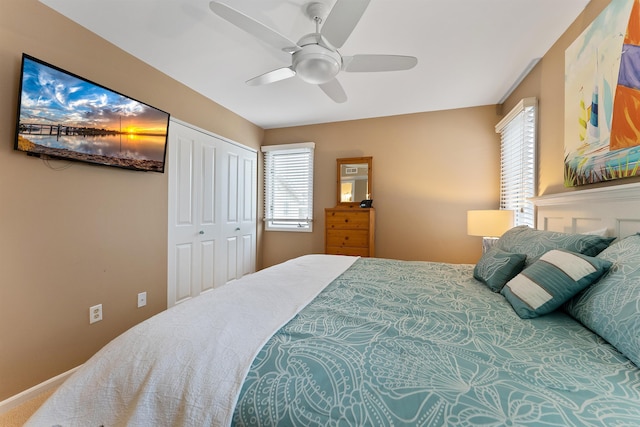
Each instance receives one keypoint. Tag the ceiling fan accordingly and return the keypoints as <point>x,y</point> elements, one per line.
<point>315,57</point>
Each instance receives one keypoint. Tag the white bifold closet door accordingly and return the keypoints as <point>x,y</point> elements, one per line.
<point>212,211</point>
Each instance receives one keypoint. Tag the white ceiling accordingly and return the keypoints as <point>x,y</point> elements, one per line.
<point>470,52</point>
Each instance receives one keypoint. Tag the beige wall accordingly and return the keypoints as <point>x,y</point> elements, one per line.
<point>84,235</point>
<point>428,170</point>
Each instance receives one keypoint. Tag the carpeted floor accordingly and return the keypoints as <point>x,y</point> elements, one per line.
<point>20,414</point>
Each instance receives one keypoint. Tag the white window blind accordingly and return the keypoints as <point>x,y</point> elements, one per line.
<point>288,186</point>
<point>518,161</point>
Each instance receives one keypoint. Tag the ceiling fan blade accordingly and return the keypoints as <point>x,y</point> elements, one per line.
<point>334,90</point>
<point>253,27</point>
<point>272,76</point>
<point>369,63</point>
<point>342,19</point>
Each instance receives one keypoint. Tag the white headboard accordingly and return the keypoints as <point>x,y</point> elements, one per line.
<point>616,208</point>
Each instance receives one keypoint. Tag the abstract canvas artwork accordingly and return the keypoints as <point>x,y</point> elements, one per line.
<point>602,98</point>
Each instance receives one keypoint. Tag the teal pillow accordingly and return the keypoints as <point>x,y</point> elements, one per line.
<point>611,307</point>
<point>534,243</point>
<point>551,281</point>
<point>497,267</point>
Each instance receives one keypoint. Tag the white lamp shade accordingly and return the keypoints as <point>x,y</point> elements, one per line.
<point>489,223</point>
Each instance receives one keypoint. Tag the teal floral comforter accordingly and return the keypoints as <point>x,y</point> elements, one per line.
<point>394,343</point>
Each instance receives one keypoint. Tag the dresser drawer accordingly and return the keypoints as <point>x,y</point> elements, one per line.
<point>349,231</point>
<point>338,250</point>
<point>347,220</point>
<point>352,238</point>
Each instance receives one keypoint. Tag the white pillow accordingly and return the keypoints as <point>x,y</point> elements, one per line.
<point>603,232</point>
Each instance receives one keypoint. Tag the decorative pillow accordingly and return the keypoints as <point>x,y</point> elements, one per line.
<point>497,267</point>
<point>550,281</point>
<point>534,243</point>
<point>599,232</point>
<point>611,307</point>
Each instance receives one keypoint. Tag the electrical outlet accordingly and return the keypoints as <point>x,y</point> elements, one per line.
<point>142,299</point>
<point>95,313</point>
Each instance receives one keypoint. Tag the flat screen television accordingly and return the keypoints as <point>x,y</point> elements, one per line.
<point>64,116</point>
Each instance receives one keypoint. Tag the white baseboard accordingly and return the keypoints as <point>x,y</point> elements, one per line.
<point>20,398</point>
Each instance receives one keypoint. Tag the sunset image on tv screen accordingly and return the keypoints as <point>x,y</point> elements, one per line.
<point>64,116</point>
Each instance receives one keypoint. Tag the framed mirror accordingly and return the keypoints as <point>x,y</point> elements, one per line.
<point>354,180</point>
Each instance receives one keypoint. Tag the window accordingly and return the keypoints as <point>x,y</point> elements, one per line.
<point>518,161</point>
<point>288,187</point>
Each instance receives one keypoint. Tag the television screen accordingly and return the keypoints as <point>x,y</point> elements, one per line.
<point>63,116</point>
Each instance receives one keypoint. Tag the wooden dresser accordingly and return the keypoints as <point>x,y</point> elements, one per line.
<point>349,231</point>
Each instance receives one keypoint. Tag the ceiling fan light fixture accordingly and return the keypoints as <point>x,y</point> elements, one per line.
<point>316,65</point>
<point>315,57</point>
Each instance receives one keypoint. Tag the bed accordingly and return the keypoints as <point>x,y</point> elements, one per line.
<point>334,340</point>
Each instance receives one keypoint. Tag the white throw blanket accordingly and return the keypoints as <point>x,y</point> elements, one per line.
<point>185,366</point>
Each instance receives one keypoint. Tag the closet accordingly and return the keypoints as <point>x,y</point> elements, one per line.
<point>212,211</point>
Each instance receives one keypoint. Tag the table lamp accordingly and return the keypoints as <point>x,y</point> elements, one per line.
<point>489,224</point>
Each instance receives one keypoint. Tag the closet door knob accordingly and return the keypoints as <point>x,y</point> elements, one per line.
<point>201,232</point>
